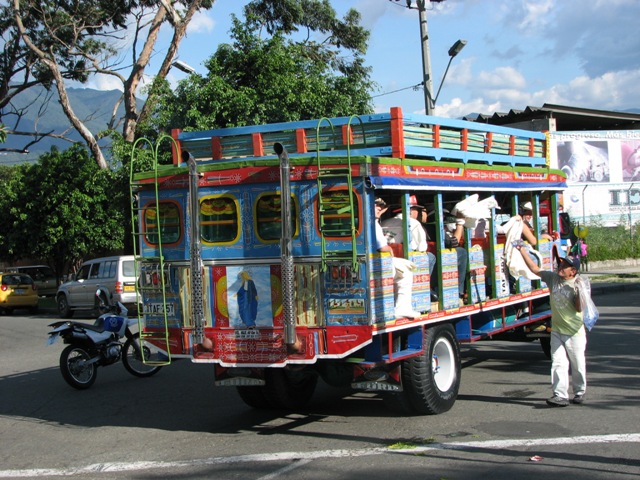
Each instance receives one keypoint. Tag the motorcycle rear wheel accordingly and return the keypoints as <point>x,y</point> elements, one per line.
<point>74,368</point>
<point>133,361</point>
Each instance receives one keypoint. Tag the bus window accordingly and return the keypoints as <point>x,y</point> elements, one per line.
<point>219,219</point>
<point>168,220</point>
<point>268,217</point>
<point>337,218</point>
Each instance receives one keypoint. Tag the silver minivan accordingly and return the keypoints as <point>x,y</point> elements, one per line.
<point>115,274</point>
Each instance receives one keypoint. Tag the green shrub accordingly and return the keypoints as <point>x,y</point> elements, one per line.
<point>612,243</point>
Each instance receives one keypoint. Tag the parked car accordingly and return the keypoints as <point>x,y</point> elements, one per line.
<point>115,274</point>
<point>43,275</point>
<point>18,290</point>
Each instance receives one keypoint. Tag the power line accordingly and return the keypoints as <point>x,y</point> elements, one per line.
<point>414,87</point>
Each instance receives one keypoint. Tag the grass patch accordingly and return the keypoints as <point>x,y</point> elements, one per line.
<point>412,443</point>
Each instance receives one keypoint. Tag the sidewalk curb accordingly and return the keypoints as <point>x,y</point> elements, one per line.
<point>613,288</point>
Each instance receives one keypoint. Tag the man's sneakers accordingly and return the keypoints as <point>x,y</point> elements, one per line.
<point>557,401</point>
<point>578,399</point>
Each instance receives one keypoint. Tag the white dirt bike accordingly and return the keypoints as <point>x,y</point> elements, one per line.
<point>100,344</point>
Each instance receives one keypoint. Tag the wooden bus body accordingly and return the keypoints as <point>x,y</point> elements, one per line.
<point>277,291</point>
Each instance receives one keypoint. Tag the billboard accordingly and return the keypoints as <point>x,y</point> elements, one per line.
<point>603,174</point>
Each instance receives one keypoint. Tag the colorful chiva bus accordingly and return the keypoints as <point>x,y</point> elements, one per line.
<point>256,252</point>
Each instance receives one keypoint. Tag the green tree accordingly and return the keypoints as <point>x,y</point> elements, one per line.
<point>63,208</point>
<point>52,42</point>
<point>278,78</point>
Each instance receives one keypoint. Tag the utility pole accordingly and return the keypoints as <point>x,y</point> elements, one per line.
<point>427,80</point>
<point>426,58</point>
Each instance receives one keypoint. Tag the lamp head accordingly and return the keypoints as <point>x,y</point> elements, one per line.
<point>457,47</point>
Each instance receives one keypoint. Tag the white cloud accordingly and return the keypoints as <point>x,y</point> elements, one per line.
<point>536,14</point>
<point>501,77</point>
<point>459,108</point>
<point>601,35</point>
<point>202,22</point>
<point>104,82</point>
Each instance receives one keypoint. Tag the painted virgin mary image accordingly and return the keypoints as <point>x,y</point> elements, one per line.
<point>247,296</point>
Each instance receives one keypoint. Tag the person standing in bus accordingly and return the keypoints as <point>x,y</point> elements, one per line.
<point>393,229</point>
<point>568,334</point>
<point>403,276</point>
<point>527,228</point>
<point>454,232</point>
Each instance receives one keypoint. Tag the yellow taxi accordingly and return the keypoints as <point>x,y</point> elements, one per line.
<point>17,290</point>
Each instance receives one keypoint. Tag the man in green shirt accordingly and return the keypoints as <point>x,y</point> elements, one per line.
<point>568,335</point>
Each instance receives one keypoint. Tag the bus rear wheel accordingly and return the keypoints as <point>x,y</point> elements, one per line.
<point>431,381</point>
<point>254,397</point>
<point>289,389</point>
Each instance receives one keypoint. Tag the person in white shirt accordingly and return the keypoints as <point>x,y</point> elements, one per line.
<point>403,277</point>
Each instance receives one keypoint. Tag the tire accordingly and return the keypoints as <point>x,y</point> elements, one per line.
<point>64,310</point>
<point>545,343</point>
<point>431,381</point>
<point>74,371</point>
<point>255,397</point>
<point>132,360</point>
<point>288,390</point>
<point>398,402</point>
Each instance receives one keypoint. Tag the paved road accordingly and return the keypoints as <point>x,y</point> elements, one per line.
<point>178,425</point>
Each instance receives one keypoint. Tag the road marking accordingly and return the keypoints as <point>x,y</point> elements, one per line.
<point>303,458</point>
<point>288,468</point>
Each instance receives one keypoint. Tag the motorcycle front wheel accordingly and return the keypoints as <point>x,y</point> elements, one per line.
<point>75,369</point>
<point>132,358</point>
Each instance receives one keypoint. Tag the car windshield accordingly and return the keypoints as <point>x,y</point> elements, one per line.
<point>16,279</point>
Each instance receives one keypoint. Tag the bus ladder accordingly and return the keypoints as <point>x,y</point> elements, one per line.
<point>336,204</point>
<point>153,268</point>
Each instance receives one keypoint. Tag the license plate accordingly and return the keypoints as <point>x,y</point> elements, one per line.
<point>129,288</point>
<point>158,309</point>
<point>53,339</point>
<point>19,291</point>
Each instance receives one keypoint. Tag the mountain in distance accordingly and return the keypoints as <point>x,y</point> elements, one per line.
<point>94,107</point>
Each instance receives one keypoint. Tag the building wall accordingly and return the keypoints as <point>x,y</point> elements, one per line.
<point>603,174</point>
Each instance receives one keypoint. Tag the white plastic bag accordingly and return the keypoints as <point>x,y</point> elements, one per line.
<point>590,313</point>
<point>474,209</point>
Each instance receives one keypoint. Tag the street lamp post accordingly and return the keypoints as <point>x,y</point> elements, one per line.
<point>429,101</point>
<point>453,51</point>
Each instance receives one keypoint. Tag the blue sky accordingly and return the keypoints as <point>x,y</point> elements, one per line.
<point>580,53</point>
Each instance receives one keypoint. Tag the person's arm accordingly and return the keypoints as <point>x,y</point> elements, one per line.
<point>577,303</point>
<point>528,235</point>
<point>386,248</point>
<point>459,231</point>
<point>531,265</point>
